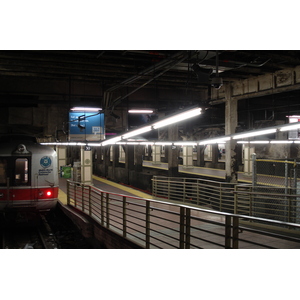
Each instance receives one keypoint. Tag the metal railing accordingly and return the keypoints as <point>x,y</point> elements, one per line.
<point>276,203</point>
<point>208,193</point>
<point>159,224</point>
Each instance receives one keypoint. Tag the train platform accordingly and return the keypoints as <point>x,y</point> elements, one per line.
<point>212,173</point>
<point>105,185</point>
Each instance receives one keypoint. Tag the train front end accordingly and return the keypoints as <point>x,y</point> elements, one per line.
<point>28,175</point>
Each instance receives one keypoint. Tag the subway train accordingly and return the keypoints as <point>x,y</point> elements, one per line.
<point>28,174</point>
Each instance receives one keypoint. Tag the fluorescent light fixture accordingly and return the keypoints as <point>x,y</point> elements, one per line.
<point>177,118</point>
<point>290,127</point>
<point>281,142</point>
<point>185,143</point>
<point>259,142</point>
<point>242,142</point>
<point>136,132</point>
<point>111,141</point>
<point>215,141</point>
<point>86,109</point>
<point>254,133</point>
<point>140,111</point>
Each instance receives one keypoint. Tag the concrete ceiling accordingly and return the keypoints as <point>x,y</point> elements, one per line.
<point>114,79</point>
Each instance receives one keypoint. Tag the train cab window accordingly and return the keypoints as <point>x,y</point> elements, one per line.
<point>21,171</point>
<point>3,168</point>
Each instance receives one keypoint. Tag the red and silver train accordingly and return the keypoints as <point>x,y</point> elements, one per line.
<point>28,174</point>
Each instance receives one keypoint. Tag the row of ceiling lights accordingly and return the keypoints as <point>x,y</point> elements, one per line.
<point>123,139</point>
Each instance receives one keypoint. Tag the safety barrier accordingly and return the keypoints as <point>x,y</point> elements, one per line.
<point>208,193</point>
<point>160,224</point>
<point>280,173</point>
<point>276,203</point>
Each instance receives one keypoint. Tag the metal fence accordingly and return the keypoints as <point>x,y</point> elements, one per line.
<point>270,202</point>
<point>160,224</point>
<point>207,193</point>
<point>280,173</point>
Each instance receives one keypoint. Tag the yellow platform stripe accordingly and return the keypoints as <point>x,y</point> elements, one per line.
<point>124,188</point>
<point>62,197</point>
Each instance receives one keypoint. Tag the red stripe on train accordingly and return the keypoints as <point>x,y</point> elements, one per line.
<point>28,193</point>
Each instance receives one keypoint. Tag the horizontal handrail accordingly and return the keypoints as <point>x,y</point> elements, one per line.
<point>153,223</point>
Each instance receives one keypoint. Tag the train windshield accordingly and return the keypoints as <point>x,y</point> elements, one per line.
<point>14,171</point>
<point>3,173</point>
<point>21,171</point>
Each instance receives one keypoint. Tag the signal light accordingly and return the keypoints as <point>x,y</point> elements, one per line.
<point>48,193</point>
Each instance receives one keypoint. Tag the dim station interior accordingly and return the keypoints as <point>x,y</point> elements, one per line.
<point>207,135</point>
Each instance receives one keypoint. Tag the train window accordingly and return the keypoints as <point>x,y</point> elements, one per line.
<point>3,168</point>
<point>21,171</point>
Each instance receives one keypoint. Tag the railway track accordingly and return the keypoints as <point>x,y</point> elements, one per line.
<point>27,236</point>
<point>51,231</point>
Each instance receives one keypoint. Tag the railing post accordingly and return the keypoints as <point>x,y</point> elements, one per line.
<point>220,192</point>
<point>235,233</point>
<point>82,197</point>
<point>251,202</point>
<point>254,170</point>
<point>90,200</point>
<point>181,233</point>
<point>68,192</point>
<point>188,228</point>
<point>235,199</point>
<point>124,217</point>
<point>102,208</point>
<point>147,224</point>
<point>107,210</point>
<point>197,192</point>
<point>227,232</point>
<point>153,186</point>
<point>289,205</point>
<point>75,195</point>
<point>184,191</point>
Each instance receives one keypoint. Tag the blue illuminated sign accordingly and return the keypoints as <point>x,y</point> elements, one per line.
<point>86,126</point>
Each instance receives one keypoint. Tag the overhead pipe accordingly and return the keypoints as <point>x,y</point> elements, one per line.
<point>156,67</point>
<point>150,80</point>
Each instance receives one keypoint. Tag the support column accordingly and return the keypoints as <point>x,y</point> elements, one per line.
<point>231,121</point>
<point>200,155</point>
<point>149,152</point>
<point>61,156</point>
<point>86,166</point>
<point>214,155</point>
<point>115,159</point>
<point>129,161</point>
<point>173,151</point>
<point>139,151</point>
<point>106,159</point>
<point>156,149</point>
<point>248,151</point>
<point>187,156</point>
<point>115,155</point>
